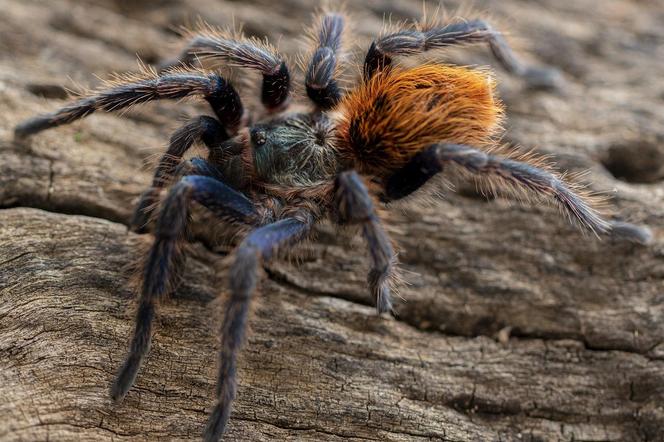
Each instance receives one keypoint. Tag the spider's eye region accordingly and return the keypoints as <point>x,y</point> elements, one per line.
<point>259,137</point>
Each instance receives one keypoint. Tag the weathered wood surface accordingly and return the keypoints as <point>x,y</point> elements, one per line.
<point>513,326</point>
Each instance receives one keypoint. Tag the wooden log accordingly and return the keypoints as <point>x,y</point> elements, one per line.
<point>512,326</point>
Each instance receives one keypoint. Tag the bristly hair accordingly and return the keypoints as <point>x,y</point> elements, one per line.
<point>275,176</point>
<point>442,15</point>
<point>580,205</point>
<point>122,91</point>
<point>143,85</point>
<point>399,112</point>
<point>212,43</point>
<point>312,37</point>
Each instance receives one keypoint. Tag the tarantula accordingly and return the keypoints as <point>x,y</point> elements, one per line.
<point>281,175</point>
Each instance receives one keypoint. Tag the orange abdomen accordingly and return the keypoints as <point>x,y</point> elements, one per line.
<point>399,112</point>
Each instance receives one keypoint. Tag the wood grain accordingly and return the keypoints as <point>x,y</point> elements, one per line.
<point>512,326</point>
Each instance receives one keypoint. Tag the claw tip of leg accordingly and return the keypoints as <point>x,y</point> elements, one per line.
<point>117,393</point>
<point>631,232</point>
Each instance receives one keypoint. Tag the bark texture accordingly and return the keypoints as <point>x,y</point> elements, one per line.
<point>513,326</point>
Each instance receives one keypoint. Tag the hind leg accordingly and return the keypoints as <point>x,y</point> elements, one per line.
<point>526,175</point>
<point>416,41</point>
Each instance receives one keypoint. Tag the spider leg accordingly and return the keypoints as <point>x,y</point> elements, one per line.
<point>631,232</point>
<point>355,206</point>
<point>149,199</point>
<point>502,171</point>
<point>259,245</point>
<point>165,255</point>
<point>416,41</point>
<point>125,93</point>
<point>321,86</point>
<point>208,43</point>
<point>198,166</point>
<point>202,128</point>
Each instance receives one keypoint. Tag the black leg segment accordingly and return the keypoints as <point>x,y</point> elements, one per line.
<point>496,171</point>
<point>208,43</point>
<point>412,176</point>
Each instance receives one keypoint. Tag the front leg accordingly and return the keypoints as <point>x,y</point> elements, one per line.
<point>130,90</point>
<point>320,80</point>
<point>164,260</point>
<point>207,43</point>
<point>200,129</point>
<point>259,246</point>
<point>354,205</point>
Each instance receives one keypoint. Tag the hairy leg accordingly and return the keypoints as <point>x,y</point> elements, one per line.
<point>416,41</point>
<point>197,166</point>
<point>149,199</point>
<point>259,245</point>
<point>322,88</point>
<point>431,161</point>
<point>355,206</point>
<point>126,92</point>
<point>502,171</point>
<point>165,257</point>
<point>214,44</point>
<point>202,128</point>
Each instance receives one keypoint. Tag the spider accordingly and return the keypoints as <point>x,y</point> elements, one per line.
<point>340,158</point>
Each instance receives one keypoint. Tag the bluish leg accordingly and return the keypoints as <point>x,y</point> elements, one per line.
<point>259,245</point>
<point>165,257</point>
<point>355,206</point>
<point>199,166</point>
<point>200,129</point>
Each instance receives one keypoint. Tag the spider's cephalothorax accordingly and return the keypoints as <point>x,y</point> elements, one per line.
<point>294,150</point>
<point>398,128</point>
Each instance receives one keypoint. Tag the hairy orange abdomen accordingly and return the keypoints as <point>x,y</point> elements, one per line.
<point>399,112</point>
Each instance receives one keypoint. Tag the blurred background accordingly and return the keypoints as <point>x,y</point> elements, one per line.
<point>513,325</point>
